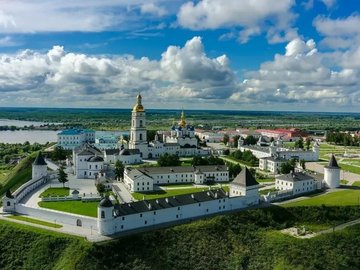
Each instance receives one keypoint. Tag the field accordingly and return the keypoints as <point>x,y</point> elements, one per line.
<point>337,198</point>
<point>75,207</point>
<point>356,184</point>
<point>54,192</point>
<point>35,221</point>
<point>169,192</point>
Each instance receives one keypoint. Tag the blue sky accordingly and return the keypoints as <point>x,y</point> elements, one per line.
<point>207,54</point>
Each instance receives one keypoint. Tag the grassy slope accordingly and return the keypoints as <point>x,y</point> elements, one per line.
<point>245,240</point>
<point>35,221</point>
<point>343,198</point>
<point>19,175</point>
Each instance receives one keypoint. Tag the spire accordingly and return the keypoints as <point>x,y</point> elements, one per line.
<point>332,162</point>
<point>245,178</point>
<point>138,106</point>
<point>39,160</point>
<point>182,122</point>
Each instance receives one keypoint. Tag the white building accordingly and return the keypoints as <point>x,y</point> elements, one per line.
<point>181,141</point>
<point>106,142</point>
<point>88,161</point>
<point>144,178</point>
<point>275,149</point>
<point>298,182</point>
<point>209,136</point>
<point>126,156</point>
<point>141,214</point>
<point>245,184</point>
<point>332,173</point>
<point>69,139</point>
<point>272,164</point>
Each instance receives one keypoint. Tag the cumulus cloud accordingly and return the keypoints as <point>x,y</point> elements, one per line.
<point>251,17</point>
<point>305,76</point>
<point>152,9</point>
<point>60,77</point>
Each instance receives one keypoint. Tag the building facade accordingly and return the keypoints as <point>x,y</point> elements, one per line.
<point>69,139</point>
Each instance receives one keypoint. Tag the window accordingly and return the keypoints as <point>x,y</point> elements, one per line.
<point>178,208</point>
<point>8,203</point>
<point>140,137</point>
<point>102,214</point>
<point>145,222</point>
<point>199,204</point>
<point>154,213</point>
<point>123,218</point>
<point>122,226</point>
<point>140,215</point>
<point>177,216</point>
<point>141,123</point>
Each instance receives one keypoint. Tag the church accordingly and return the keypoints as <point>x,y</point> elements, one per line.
<point>181,141</point>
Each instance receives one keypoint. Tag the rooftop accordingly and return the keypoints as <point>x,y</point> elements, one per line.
<point>169,202</point>
<point>182,169</point>
<point>295,177</point>
<point>245,179</point>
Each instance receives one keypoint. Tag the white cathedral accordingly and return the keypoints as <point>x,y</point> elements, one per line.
<point>181,141</point>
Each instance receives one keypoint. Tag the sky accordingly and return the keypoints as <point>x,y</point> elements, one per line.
<point>208,54</point>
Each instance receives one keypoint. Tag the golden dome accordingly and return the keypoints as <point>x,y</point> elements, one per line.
<point>138,107</point>
<point>182,122</point>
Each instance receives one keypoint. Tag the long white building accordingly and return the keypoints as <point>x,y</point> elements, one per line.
<point>69,139</point>
<point>141,214</point>
<point>298,182</point>
<point>275,150</point>
<point>143,179</point>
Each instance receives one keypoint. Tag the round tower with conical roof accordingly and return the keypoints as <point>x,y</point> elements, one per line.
<point>332,173</point>
<point>106,217</point>
<point>39,167</point>
<point>9,202</point>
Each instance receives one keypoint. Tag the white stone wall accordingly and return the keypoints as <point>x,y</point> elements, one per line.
<point>57,216</point>
<point>298,187</point>
<point>38,171</point>
<point>332,177</point>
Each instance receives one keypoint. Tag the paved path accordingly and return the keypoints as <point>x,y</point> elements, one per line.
<point>52,165</point>
<point>351,177</point>
<point>124,193</point>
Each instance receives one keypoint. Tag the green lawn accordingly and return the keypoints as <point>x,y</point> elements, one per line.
<point>75,207</point>
<point>52,192</point>
<point>356,184</point>
<point>35,221</point>
<point>168,193</point>
<point>338,198</point>
<point>266,191</point>
<point>350,168</point>
<point>344,182</point>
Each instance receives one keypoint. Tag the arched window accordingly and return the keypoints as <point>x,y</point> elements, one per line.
<point>8,203</point>
<point>140,137</point>
<point>141,123</point>
<point>102,214</point>
<point>133,122</point>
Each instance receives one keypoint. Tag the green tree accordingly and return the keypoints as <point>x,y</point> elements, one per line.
<point>62,177</point>
<point>300,143</point>
<point>150,134</point>
<point>119,169</point>
<point>168,160</point>
<point>236,141</point>
<point>58,154</point>
<point>6,159</point>
<point>250,140</point>
<point>226,139</point>
<point>307,143</point>
<point>302,164</point>
<point>226,152</point>
<point>100,188</point>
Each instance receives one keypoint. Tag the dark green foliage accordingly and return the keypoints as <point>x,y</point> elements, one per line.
<point>244,240</point>
<point>235,140</point>
<point>100,188</point>
<point>246,157</point>
<point>288,166</point>
<point>211,160</point>
<point>119,169</point>
<point>307,143</point>
<point>63,177</point>
<point>168,160</point>
<point>226,139</point>
<point>342,138</point>
<point>299,143</point>
<point>234,169</point>
<point>150,134</point>
<point>59,154</point>
<point>250,140</point>
<point>226,152</point>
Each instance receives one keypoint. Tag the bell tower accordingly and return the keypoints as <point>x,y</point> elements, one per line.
<point>138,139</point>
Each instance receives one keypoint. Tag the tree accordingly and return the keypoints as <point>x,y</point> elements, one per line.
<point>119,169</point>
<point>234,169</point>
<point>6,159</point>
<point>299,143</point>
<point>272,139</point>
<point>250,140</point>
<point>302,164</point>
<point>288,166</point>
<point>226,152</point>
<point>307,143</point>
<point>58,154</point>
<point>168,160</point>
<point>151,134</point>
<point>62,175</point>
<point>100,188</point>
<point>236,141</point>
<point>226,139</point>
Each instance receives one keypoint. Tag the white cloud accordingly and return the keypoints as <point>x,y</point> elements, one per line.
<point>8,41</point>
<point>60,77</point>
<point>251,17</point>
<point>329,3</point>
<point>153,9</point>
<point>303,75</point>
<point>338,27</point>
<point>22,16</point>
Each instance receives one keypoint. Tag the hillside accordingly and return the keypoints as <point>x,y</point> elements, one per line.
<point>245,240</point>
<point>18,175</point>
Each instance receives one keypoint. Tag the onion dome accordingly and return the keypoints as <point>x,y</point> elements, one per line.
<point>138,106</point>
